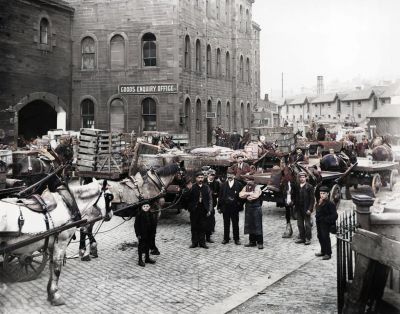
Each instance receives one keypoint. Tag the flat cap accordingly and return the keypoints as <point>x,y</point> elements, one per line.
<point>324,188</point>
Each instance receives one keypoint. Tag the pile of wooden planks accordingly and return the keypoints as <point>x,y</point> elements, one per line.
<point>101,154</point>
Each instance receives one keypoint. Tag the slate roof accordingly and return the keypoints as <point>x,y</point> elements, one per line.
<point>359,95</point>
<point>387,111</point>
<point>325,98</point>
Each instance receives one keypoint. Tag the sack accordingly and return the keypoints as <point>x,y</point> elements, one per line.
<point>332,228</point>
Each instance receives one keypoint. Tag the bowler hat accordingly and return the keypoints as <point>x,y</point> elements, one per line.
<point>302,174</point>
<point>211,172</point>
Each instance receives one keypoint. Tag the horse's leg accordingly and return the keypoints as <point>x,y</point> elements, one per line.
<point>60,246</point>
<point>92,241</point>
<point>83,253</point>
<point>50,296</point>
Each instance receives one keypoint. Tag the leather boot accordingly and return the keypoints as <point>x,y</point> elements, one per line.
<point>149,260</point>
<point>140,262</point>
<point>93,250</point>
<point>155,251</point>
<point>288,232</point>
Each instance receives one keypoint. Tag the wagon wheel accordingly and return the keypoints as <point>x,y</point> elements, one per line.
<point>392,179</point>
<point>376,184</point>
<point>336,195</point>
<point>23,267</point>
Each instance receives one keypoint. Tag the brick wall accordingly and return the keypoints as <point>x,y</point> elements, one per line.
<point>26,67</point>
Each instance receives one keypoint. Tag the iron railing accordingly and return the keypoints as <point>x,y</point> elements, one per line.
<point>346,225</point>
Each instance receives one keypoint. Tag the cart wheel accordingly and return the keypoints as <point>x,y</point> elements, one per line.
<point>335,195</point>
<point>25,267</point>
<point>376,184</point>
<point>392,180</point>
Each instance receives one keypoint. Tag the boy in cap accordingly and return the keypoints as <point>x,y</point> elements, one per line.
<point>304,204</point>
<point>145,229</point>
<point>199,203</point>
<point>325,217</point>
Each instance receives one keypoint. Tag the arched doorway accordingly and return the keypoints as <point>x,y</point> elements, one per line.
<point>35,119</point>
<point>209,124</point>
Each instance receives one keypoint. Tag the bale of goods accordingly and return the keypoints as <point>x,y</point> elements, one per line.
<point>251,150</point>
<point>6,156</point>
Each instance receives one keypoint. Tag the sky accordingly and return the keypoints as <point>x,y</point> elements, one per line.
<point>338,39</point>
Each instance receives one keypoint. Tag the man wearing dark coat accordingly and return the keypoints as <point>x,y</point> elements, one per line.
<point>235,140</point>
<point>325,217</point>
<point>246,139</point>
<point>229,204</point>
<point>321,133</point>
<point>199,203</point>
<point>240,168</point>
<point>303,196</point>
<point>215,187</point>
<point>145,229</point>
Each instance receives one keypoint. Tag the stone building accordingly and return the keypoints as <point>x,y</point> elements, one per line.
<point>35,59</point>
<point>180,66</point>
<point>265,113</point>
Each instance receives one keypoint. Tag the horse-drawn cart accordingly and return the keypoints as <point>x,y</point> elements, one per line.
<point>373,173</point>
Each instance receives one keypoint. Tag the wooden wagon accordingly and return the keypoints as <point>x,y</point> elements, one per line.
<point>373,173</point>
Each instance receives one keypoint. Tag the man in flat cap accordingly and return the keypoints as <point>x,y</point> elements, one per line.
<point>199,203</point>
<point>304,204</point>
<point>325,217</point>
<point>214,185</point>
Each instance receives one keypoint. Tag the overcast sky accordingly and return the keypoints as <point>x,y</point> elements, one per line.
<point>339,39</point>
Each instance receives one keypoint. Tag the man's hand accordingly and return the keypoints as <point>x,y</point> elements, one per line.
<point>219,211</point>
<point>308,212</point>
<point>209,214</point>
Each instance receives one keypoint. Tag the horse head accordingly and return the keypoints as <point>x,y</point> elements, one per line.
<point>382,153</point>
<point>65,151</point>
<point>93,200</point>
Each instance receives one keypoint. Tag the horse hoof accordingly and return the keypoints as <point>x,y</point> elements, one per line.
<point>85,258</point>
<point>58,301</point>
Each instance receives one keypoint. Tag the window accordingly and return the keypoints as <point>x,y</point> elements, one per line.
<point>88,53</point>
<point>218,67</point>
<point>359,104</point>
<point>248,73</point>
<point>375,103</point>
<point>227,8</point>
<point>187,119</point>
<point>198,115</point>
<point>359,115</point>
<point>149,114</point>
<point>87,113</point>
<point>44,31</point>
<point>217,6</point>
<point>207,8</point>
<point>248,114</point>
<point>339,106</point>
<point>241,68</point>
<point>227,66</point>
<point>198,56</point>
<point>149,50</point>
<point>187,53</point>
<point>247,21</point>
<point>228,115</point>
<point>240,18</point>
<point>219,115</point>
<point>209,60</point>
<point>329,116</point>
<point>117,48</point>
<point>117,116</point>
<point>348,105</point>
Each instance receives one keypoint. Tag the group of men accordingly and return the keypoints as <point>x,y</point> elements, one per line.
<point>207,194</point>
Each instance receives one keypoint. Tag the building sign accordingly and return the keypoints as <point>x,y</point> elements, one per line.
<point>211,115</point>
<point>145,89</point>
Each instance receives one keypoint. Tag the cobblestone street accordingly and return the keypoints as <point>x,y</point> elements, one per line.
<point>183,280</point>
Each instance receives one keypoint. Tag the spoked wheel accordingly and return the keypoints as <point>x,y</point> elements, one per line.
<point>392,179</point>
<point>376,184</point>
<point>336,195</point>
<point>23,267</point>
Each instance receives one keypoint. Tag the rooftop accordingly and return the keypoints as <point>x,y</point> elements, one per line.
<point>359,95</point>
<point>325,98</point>
<point>387,111</point>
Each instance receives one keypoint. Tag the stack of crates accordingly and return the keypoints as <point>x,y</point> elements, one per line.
<point>101,151</point>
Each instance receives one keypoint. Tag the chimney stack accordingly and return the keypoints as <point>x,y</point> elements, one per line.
<point>320,85</point>
<point>266,97</point>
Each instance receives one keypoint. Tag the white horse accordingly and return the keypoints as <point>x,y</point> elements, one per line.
<point>93,202</point>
